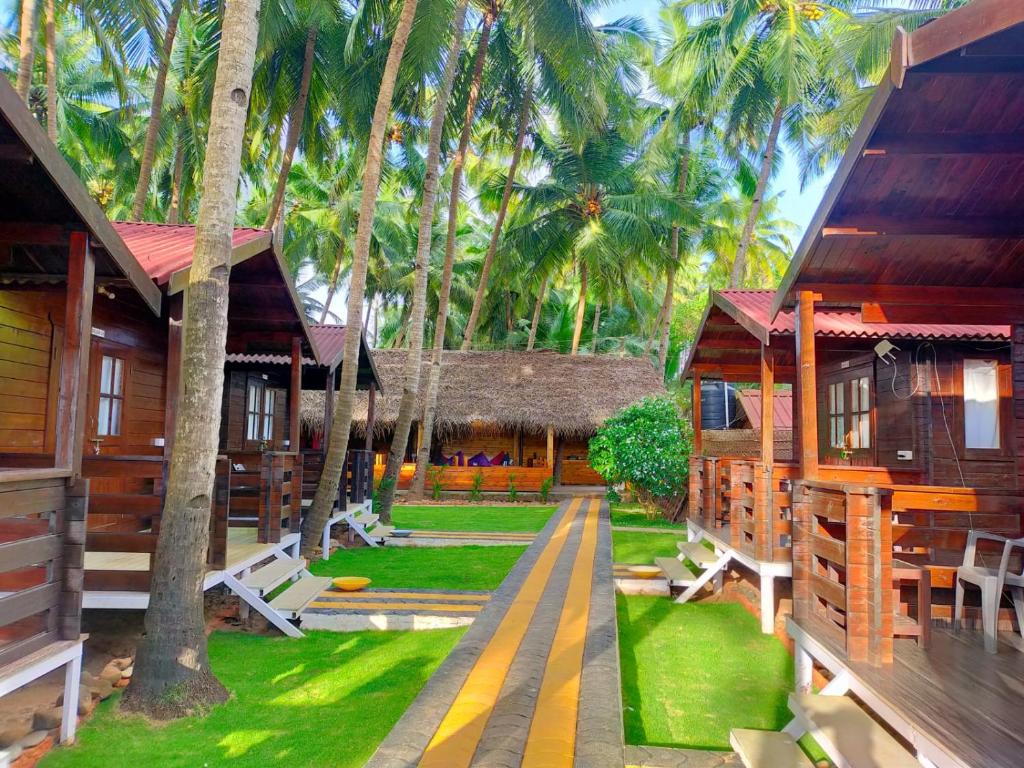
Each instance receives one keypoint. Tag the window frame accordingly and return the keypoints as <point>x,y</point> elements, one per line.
<point>262,415</point>
<point>1005,411</point>
<point>843,375</point>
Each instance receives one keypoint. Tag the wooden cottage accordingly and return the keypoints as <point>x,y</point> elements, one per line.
<point>529,414</point>
<point>59,260</point>
<point>900,458</point>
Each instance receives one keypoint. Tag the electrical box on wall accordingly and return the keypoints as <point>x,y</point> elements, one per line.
<point>905,455</point>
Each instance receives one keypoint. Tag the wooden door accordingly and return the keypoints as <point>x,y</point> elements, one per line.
<point>109,379</point>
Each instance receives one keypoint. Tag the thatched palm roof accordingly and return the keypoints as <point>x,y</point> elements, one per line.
<point>509,390</point>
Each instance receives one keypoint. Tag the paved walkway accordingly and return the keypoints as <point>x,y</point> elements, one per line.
<point>535,681</point>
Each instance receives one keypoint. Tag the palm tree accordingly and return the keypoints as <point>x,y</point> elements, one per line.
<point>27,47</point>
<point>337,450</point>
<point>172,670</point>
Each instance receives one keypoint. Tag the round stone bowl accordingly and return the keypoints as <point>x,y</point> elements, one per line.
<point>401,533</point>
<point>644,571</point>
<point>351,583</point>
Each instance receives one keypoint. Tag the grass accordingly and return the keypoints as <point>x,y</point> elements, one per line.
<point>639,548</point>
<point>424,567</point>
<point>327,699</point>
<point>636,516</point>
<point>525,519</point>
<point>692,672</point>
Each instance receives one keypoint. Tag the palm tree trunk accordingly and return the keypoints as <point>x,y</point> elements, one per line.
<point>441,323</point>
<point>595,329</point>
<point>670,279</point>
<point>172,671</point>
<point>332,287</point>
<point>581,310</point>
<point>26,48</point>
<point>51,71</point>
<point>739,265</point>
<point>155,109</point>
<point>337,449</point>
<point>492,248</point>
<point>295,121</point>
<point>414,360</point>
<point>535,322</point>
<point>174,210</point>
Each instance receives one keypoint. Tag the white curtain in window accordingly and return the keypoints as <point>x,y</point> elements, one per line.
<point>981,404</point>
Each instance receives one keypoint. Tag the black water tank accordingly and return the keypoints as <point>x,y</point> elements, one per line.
<point>717,405</point>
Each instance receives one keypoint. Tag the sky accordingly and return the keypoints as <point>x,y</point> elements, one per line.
<point>796,205</point>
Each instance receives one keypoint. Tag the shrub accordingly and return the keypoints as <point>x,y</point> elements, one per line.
<point>545,488</point>
<point>475,494</point>
<point>513,491</point>
<point>436,482</point>
<point>647,446</point>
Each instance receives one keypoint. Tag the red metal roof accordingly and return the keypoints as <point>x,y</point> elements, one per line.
<point>782,407</point>
<point>163,249</point>
<point>847,323</point>
<point>330,343</point>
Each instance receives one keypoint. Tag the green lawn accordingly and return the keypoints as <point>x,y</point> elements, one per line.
<point>327,699</point>
<point>692,672</point>
<point>641,548</point>
<point>634,515</point>
<point>424,567</point>
<point>525,519</point>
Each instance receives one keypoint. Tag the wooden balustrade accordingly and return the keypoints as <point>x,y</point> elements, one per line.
<point>42,539</point>
<point>360,476</point>
<point>696,494</point>
<point>761,509</point>
<point>280,474</point>
<point>842,566</point>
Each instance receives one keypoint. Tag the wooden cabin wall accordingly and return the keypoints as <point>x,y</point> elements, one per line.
<point>233,414</point>
<point>490,442</point>
<point>31,334</point>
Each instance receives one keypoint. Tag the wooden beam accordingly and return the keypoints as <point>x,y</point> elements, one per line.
<point>371,408</point>
<point>175,342</point>
<point>854,294</point>
<point>945,227</point>
<point>1017,384</point>
<point>16,152</point>
<point>295,396</point>
<point>943,144</point>
<point>741,343</point>
<point>767,406</point>
<point>551,448</point>
<point>899,58</point>
<point>743,373</point>
<point>995,314</point>
<point>32,233</point>
<point>807,415</point>
<point>698,438</point>
<point>962,27</point>
<point>74,369</point>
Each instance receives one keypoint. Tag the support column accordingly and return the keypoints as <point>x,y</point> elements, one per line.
<point>767,604</point>
<point>329,395</point>
<point>804,668</point>
<point>371,416</point>
<point>74,369</point>
<point>698,438</point>
<point>295,396</point>
<point>175,344</point>
<point>551,448</point>
<point>806,374</point>
<point>767,406</point>
<point>1017,396</point>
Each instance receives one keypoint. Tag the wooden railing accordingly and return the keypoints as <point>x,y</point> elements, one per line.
<point>711,492</point>
<point>42,538</point>
<point>761,510</point>
<point>492,479</point>
<point>360,476</point>
<point>578,472</point>
<point>842,566</point>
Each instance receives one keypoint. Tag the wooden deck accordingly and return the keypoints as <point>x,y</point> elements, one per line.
<point>959,706</point>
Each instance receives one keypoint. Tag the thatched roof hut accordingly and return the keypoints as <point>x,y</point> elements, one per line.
<point>527,391</point>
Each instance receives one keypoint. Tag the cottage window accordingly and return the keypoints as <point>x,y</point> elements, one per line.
<point>981,404</point>
<point>836,416</point>
<point>849,397</point>
<point>111,399</point>
<point>259,411</point>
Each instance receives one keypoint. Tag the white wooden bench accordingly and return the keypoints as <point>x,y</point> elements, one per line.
<point>767,749</point>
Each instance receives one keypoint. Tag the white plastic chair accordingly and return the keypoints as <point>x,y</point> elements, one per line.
<point>991,582</point>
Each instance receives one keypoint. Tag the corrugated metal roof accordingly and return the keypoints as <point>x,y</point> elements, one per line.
<point>236,357</point>
<point>163,249</point>
<point>847,323</point>
<point>330,343</point>
<point>782,407</point>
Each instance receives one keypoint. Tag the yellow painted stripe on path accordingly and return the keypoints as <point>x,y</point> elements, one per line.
<point>359,606</point>
<point>401,595</point>
<point>552,739</point>
<point>456,739</point>
<point>470,535</point>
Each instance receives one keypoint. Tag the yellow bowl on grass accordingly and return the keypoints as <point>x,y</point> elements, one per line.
<point>351,583</point>
<point>644,571</point>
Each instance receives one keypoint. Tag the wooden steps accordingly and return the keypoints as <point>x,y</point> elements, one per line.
<point>676,572</point>
<point>697,553</point>
<point>848,734</point>
<point>767,749</point>
<point>270,576</point>
<point>293,601</point>
<point>365,520</point>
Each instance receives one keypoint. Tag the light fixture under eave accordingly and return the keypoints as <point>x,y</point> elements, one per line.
<point>102,290</point>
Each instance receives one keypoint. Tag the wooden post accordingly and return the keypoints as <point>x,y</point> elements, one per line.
<point>371,416</point>
<point>175,340</point>
<point>517,449</point>
<point>74,369</point>
<point>295,396</point>
<point>767,406</point>
<point>1017,395</point>
<point>764,482</point>
<point>807,421</point>
<point>551,448</point>
<point>328,409</point>
<point>698,441</point>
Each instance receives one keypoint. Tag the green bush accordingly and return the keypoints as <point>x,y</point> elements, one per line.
<point>513,490</point>
<point>545,488</point>
<point>475,494</point>
<point>436,482</point>
<point>646,446</point>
